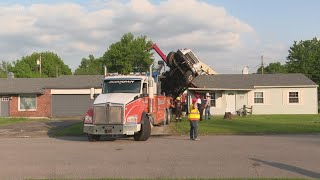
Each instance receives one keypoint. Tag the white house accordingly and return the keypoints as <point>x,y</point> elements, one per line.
<point>265,93</point>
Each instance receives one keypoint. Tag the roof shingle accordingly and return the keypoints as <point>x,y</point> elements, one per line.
<point>249,81</point>
<point>220,81</point>
<point>38,85</point>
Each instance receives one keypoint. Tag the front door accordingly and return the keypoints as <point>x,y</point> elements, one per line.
<point>231,102</point>
<point>4,107</point>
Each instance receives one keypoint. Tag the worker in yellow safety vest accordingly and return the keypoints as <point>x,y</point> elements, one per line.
<point>194,117</point>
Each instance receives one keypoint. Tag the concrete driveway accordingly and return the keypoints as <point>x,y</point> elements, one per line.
<point>36,128</point>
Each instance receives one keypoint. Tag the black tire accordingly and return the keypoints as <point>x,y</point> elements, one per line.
<point>171,58</point>
<point>168,116</point>
<point>188,76</point>
<point>93,137</point>
<point>145,131</point>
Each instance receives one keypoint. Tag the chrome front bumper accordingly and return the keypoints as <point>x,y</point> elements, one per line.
<point>111,129</point>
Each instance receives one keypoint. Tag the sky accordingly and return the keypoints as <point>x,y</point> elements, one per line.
<point>225,34</point>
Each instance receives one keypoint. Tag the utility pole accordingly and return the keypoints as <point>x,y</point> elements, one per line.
<point>262,65</point>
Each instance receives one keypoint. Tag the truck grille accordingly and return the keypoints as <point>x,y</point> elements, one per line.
<point>109,114</point>
<point>191,57</point>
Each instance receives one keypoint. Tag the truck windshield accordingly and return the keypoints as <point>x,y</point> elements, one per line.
<point>122,86</point>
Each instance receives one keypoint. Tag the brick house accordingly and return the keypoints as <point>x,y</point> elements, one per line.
<point>48,97</point>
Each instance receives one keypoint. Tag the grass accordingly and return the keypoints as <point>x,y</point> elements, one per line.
<point>250,125</point>
<point>74,130</point>
<point>7,121</point>
<point>256,124</point>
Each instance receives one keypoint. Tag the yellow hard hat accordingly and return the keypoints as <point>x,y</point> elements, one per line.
<point>178,98</point>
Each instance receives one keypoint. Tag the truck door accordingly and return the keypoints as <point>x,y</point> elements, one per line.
<point>161,108</point>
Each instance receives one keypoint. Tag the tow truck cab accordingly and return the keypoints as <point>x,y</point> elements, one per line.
<point>127,106</point>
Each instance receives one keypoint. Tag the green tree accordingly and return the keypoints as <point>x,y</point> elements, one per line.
<point>90,66</point>
<point>51,66</point>
<point>128,55</point>
<point>304,57</point>
<point>4,68</point>
<point>273,68</point>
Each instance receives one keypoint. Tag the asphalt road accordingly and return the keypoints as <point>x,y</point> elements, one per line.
<point>288,156</point>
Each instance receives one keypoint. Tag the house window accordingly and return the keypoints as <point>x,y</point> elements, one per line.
<point>213,99</point>
<point>27,103</point>
<point>293,97</point>
<point>258,97</point>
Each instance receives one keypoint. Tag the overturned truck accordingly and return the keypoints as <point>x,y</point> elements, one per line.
<point>184,67</point>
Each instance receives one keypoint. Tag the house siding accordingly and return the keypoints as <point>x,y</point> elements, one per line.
<point>221,104</point>
<point>276,101</point>
<point>43,106</point>
<point>241,98</point>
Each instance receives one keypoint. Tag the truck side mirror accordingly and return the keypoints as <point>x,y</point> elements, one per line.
<point>144,89</point>
<point>101,85</point>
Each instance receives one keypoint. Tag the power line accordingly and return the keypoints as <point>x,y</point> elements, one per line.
<point>255,68</point>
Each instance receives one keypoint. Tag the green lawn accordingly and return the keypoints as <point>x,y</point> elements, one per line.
<point>256,124</point>
<point>7,121</point>
<point>74,130</point>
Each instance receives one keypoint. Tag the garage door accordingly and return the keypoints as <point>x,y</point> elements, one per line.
<point>70,105</point>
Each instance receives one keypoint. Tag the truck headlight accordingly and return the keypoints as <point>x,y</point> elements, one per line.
<point>88,119</point>
<point>132,119</point>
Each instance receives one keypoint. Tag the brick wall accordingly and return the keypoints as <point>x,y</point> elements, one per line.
<point>43,106</point>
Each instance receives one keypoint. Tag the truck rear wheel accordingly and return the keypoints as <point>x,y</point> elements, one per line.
<point>145,131</point>
<point>168,116</point>
<point>170,58</point>
<point>188,76</point>
<point>93,137</point>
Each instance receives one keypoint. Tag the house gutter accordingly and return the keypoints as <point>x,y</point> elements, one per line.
<point>219,89</point>
<point>18,92</point>
<point>295,86</point>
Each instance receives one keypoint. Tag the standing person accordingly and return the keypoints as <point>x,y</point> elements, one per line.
<point>207,106</point>
<point>183,104</point>
<point>178,107</point>
<point>171,106</point>
<point>194,118</point>
<point>199,105</point>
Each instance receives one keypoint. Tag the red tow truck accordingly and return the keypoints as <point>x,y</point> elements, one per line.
<point>130,105</point>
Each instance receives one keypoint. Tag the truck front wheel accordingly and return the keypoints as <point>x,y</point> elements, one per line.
<point>93,137</point>
<point>145,130</point>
